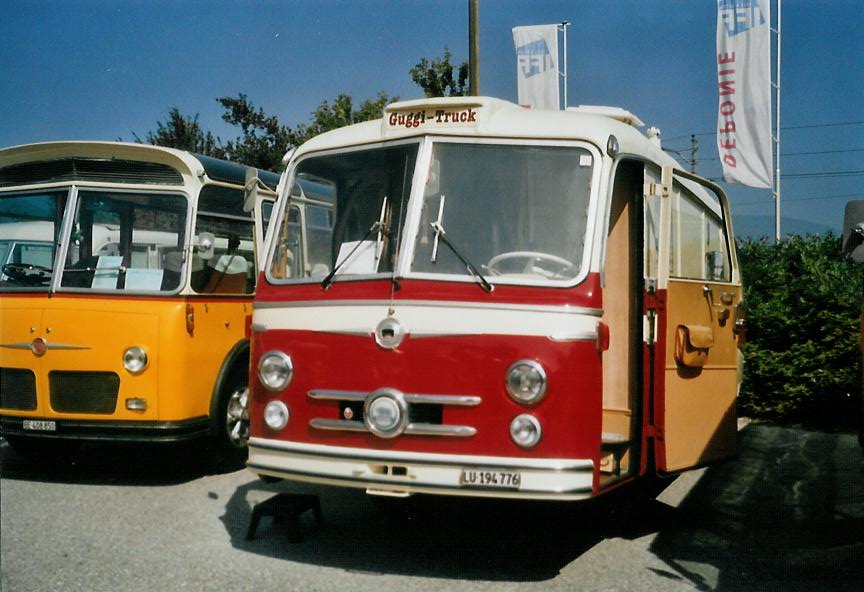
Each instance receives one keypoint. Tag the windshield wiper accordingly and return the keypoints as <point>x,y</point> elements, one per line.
<point>376,227</point>
<point>472,269</point>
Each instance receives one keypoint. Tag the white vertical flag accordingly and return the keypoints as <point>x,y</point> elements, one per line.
<point>744,83</point>
<point>537,66</point>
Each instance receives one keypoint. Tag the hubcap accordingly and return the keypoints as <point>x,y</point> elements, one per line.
<point>237,417</point>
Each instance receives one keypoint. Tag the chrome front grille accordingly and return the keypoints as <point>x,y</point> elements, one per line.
<point>425,412</point>
<point>17,389</point>
<point>83,392</point>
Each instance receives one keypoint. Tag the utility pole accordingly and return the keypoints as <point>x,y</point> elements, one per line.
<point>694,147</point>
<point>474,47</point>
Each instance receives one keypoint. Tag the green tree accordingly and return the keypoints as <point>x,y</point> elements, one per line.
<point>802,361</point>
<point>263,139</point>
<point>440,78</point>
<point>341,113</point>
<point>184,133</point>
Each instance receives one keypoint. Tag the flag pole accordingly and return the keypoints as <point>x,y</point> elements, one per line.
<point>565,24</point>
<point>777,135</point>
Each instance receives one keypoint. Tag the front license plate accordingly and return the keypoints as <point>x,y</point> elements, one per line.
<point>490,478</point>
<point>39,425</point>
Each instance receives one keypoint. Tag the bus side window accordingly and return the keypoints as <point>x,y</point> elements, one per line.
<point>289,255</point>
<point>319,230</point>
<point>698,249</point>
<point>231,269</point>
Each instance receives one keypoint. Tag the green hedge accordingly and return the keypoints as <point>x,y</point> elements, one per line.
<point>802,360</point>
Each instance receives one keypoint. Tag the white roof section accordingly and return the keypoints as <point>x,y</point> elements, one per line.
<point>618,113</point>
<point>183,161</point>
<point>490,118</point>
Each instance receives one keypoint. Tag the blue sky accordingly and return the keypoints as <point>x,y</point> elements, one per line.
<point>105,69</point>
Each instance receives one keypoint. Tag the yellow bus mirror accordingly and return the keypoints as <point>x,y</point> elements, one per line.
<point>250,190</point>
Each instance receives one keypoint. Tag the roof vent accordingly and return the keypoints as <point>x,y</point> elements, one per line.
<point>616,113</point>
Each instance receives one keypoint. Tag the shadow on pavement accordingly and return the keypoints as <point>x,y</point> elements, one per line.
<point>114,463</point>
<point>439,537</point>
<point>788,514</point>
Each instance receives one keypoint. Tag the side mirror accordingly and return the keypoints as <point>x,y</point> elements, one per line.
<point>250,190</point>
<point>853,231</point>
<point>206,243</point>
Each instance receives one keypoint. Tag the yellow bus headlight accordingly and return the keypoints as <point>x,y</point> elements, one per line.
<point>135,360</point>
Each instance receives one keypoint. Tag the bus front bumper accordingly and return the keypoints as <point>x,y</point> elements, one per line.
<point>121,431</point>
<point>398,473</point>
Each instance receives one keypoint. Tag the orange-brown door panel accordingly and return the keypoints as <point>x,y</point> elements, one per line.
<point>701,374</point>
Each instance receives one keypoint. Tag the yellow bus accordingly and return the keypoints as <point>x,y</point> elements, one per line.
<point>126,280</point>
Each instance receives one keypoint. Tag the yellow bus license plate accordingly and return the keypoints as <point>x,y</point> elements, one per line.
<point>39,425</point>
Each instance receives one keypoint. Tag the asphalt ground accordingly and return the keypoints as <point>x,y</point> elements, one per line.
<point>787,514</point>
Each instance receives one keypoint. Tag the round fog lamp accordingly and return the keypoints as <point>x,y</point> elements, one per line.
<point>526,382</point>
<point>525,430</point>
<point>276,415</point>
<point>386,414</point>
<point>275,370</point>
<point>135,359</point>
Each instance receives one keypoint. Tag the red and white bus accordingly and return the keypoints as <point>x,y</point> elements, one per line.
<point>498,302</point>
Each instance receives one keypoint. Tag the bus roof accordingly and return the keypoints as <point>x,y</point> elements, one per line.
<point>65,154</point>
<point>490,117</point>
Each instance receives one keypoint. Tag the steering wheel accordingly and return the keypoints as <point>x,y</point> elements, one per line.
<point>25,273</point>
<point>561,265</point>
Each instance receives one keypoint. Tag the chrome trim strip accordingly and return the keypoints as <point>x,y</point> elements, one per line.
<point>340,425</point>
<point>431,429</point>
<point>331,395</point>
<point>29,344</point>
<point>414,429</point>
<point>564,308</point>
<point>426,458</point>
<point>581,336</point>
<point>455,400</point>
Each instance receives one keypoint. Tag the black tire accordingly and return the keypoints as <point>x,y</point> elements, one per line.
<point>231,422</point>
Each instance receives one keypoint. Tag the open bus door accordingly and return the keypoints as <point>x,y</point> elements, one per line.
<point>692,293</point>
<point>853,248</point>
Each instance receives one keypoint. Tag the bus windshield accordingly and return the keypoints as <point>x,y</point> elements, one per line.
<point>517,212</point>
<point>370,191</point>
<point>126,241</point>
<point>506,212</point>
<point>29,225</point>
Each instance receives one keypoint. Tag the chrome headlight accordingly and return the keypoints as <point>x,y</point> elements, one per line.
<point>526,382</point>
<point>525,430</point>
<point>276,415</point>
<point>275,370</point>
<point>135,360</point>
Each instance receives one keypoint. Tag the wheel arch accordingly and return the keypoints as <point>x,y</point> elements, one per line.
<point>236,363</point>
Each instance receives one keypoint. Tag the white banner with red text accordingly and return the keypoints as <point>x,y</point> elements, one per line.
<point>744,138</point>
<point>537,66</point>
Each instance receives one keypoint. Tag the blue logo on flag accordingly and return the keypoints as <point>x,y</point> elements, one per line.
<point>739,16</point>
<point>534,58</point>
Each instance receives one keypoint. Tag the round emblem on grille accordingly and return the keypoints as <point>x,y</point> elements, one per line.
<point>39,346</point>
<point>389,333</point>
<point>385,413</point>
